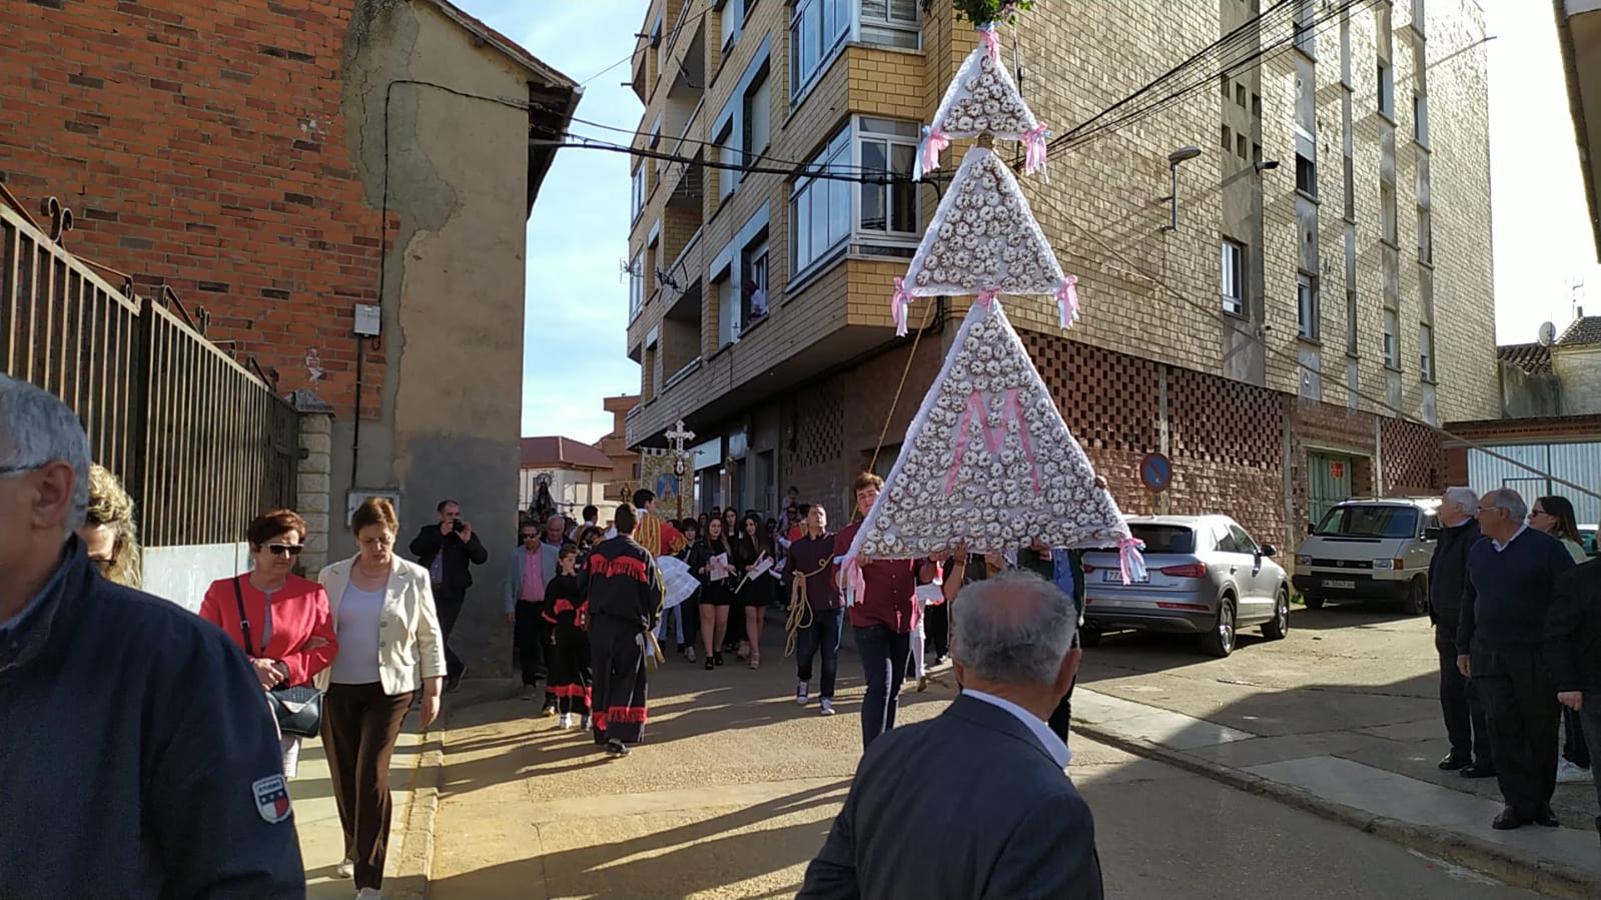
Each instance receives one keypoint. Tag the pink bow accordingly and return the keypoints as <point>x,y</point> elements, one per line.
<point>1036,150</point>
<point>986,297</point>
<point>898,305</point>
<point>991,40</point>
<point>933,143</point>
<point>855,582</point>
<point>1130,561</point>
<point>1067,300</point>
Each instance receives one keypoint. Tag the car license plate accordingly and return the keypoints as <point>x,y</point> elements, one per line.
<point>1339,583</point>
<point>1111,577</point>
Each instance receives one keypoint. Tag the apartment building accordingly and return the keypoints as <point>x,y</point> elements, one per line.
<point>1327,258</point>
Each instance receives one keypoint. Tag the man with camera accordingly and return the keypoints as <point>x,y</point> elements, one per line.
<point>447,550</point>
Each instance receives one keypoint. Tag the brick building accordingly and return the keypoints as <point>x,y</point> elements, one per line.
<point>1237,343</point>
<point>282,162</point>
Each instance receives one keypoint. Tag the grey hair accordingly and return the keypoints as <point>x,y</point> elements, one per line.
<point>1463,497</point>
<point>37,429</point>
<point>1014,628</point>
<point>1509,500</point>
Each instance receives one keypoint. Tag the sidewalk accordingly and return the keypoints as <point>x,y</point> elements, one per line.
<point>1364,777</point>
<point>413,782</point>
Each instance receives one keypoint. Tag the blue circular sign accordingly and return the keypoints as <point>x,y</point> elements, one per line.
<point>1156,471</point>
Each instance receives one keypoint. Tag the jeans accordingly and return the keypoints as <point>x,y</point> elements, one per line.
<point>884,656</point>
<point>823,634</point>
<point>1462,706</point>
<point>1522,709</point>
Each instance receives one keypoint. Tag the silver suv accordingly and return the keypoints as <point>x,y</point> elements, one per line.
<point>1370,550</point>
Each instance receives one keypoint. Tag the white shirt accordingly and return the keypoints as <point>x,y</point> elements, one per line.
<point>1500,546</point>
<point>357,626</point>
<point>1042,732</point>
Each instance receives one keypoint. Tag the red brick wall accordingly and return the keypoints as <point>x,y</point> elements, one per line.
<point>1413,461</point>
<point>201,145</point>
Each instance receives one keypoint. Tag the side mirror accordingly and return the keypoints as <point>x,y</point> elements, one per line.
<point>1310,528</point>
<point>1431,534</point>
<point>1269,550</point>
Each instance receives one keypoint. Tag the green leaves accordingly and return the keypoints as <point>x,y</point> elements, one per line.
<point>981,12</point>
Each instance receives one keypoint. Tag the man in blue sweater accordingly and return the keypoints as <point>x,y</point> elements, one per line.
<point>137,756</point>
<point>1511,579</point>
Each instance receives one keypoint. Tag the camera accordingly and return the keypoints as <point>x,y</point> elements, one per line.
<point>459,526</point>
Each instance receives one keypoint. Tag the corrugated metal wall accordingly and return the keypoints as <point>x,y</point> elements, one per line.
<point>1579,463</point>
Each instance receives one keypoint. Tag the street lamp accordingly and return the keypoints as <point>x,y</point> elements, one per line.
<point>1182,154</point>
<point>1265,165</point>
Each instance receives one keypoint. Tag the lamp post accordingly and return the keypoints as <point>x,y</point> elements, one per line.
<point>1183,154</point>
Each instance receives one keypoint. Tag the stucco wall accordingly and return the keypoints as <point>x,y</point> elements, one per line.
<point>1578,370</point>
<point>453,295</point>
<point>182,574</point>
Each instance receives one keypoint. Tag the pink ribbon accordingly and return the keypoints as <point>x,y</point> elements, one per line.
<point>985,298</point>
<point>994,436</point>
<point>855,581</point>
<point>991,40</point>
<point>898,305</point>
<point>1067,300</point>
<point>1036,150</point>
<point>1130,560</point>
<point>934,142</point>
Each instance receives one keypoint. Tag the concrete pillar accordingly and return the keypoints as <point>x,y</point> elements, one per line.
<point>314,489</point>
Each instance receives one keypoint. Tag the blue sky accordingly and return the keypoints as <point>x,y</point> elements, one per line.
<point>578,236</point>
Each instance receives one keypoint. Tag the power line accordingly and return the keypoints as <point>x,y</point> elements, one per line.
<point>676,30</point>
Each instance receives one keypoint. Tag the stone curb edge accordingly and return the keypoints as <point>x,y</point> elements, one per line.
<point>414,863</point>
<point>1551,879</point>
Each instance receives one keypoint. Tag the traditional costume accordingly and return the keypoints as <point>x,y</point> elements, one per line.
<point>570,676</point>
<point>657,536</point>
<point>624,592</point>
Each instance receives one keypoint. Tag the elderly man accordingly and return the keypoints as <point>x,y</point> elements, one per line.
<point>137,756</point>
<point>528,572</point>
<point>1573,650</point>
<point>989,762</point>
<point>1511,577</point>
<point>1448,576</point>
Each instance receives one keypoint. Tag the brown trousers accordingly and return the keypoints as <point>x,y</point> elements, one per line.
<point>360,724</point>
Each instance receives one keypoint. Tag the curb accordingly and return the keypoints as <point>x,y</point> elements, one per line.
<point>1546,877</point>
<point>413,865</point>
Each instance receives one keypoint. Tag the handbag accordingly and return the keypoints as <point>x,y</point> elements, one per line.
<point>297,709</point>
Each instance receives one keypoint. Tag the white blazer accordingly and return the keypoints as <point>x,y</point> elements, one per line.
<point>411,645</point>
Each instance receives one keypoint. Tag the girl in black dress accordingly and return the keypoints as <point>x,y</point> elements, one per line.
<point>716,593</point>
<point>753,555</point>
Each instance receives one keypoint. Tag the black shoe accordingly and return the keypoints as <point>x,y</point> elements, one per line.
<point>616,749</point>
<point>1453,762</point>
<point>1477,770</point>
<point>711,662</point>
<point>1508,820</point>
<point>1547,819</point>
<point>717,659</point>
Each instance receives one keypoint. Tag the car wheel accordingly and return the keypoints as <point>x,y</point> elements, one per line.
<point>1219,641</point>
<point>1312,602</point>
<point>1417,598</point>
<point>1277,627</point>
<point>1089,637</point>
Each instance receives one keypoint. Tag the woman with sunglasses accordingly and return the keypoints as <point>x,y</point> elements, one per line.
<point>287,631</point>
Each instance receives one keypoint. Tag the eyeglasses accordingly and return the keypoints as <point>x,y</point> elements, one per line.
<point>285,549</point>
<point>8,471</point>
<point>529,535</point>
<point>1537,512</point>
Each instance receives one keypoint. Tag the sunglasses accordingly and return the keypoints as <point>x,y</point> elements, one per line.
<point>285,549</point>
<point>529,535</point>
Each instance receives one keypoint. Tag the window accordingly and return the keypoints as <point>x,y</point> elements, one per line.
<point>1345,49</point>
<point>1240,144</point>
<point>636,285</point>
<point>1225,81</point>
<point>637,198</point>
<point>1386,90</point>
<point>753,291</point>
<point>1350,189</point>
<point>888,147</point>
<point>891,22</point>
<point>1305,175</point>
<point>1306,311</point>
<point>1426,352</point>
<point>727,154</point>
<point>1256,105</point>
<point>1233,278</point>
<point>1305,37</point>
<point>1420,119</point>
<point>817,27</point>
<point>1239,95</point>
<point>728,311</point>
<point>1350,322</point>
<point>1425,235</point>
<point>1392,353</point>
<point>1387,213</point>
<point>820,208</point>
<point>1242,540</point>
<point>758,114</point>
<point>733,16</point>
<point>1228,139</point>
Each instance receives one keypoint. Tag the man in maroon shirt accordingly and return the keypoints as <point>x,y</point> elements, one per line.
<point>883,618</point>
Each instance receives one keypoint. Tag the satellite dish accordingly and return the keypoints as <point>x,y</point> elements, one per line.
<point>1548,333</point>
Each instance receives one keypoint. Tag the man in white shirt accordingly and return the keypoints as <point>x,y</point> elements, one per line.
<point>1020,827</point>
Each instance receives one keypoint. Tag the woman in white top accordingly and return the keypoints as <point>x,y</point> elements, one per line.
<point>390,646</point>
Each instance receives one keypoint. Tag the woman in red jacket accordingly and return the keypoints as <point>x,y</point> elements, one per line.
<point>291,635</point>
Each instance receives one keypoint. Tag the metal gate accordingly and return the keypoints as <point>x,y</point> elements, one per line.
<point>1577,462</point>
<point>1328,482</point>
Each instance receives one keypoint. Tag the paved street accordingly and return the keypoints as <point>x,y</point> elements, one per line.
<point>736,788</point>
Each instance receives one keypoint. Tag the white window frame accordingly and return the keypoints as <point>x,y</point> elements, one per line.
<point>732,21</point>
<point>757,250</point>
<point>1231,265</point>
<point>1386,80</point>
<point>1425,235</point>
<point>1306,306</point>
<point>801,77</point>
<point>636,285</point>
<point>1426,351</point>
<point>637,194</point>
<point>863,134</point>
<point>1392,348</point>
<point>764,80</point>
<point>1420,119</point>
<point>836,153</point>
<point>849,138</point>
<point>890,24</point>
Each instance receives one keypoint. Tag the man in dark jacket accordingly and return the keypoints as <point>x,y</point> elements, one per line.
<point>137,756</point>
<point>624,591</point>
<point>1573,651</point>
<point>1448,578</point>
<point>447,551</point>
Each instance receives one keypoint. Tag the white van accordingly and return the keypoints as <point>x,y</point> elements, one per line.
<point>1370,550</point>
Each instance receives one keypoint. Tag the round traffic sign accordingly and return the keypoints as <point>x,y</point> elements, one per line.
<point>1156,471</point>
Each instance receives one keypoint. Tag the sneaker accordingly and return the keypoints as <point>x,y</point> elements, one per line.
<point>346,868</point>
<point>548,710</point>
<point>689,654</point>
<point>1569,773</point>
<point>616,749</point>
<point>583,723</point>
<point>803,692</point>
<point>369,894</point>
<point>826,707</point>
<point>564,721</point>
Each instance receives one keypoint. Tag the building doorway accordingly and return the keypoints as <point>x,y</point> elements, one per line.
<point>1328,482</point>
